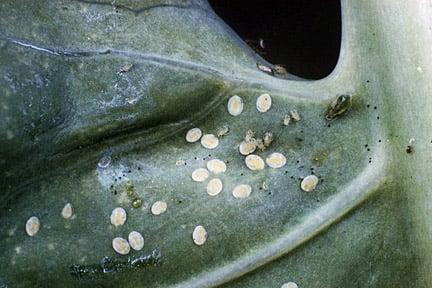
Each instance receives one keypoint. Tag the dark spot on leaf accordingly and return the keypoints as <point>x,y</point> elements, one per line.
<point>409,149</point>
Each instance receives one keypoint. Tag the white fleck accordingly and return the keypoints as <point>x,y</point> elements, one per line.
<point>276,160</point>
<point>132,101</point>
<point>118,216</point>
<point>9,135</point>
<point>193,135</point>
<point>199,235</point>
<point>249,136</point>
<point>104,162</point>
<point>209,141</point>
<point>254,162</point>
<point>200,174</point>
<point>235,105</point>
<point>265,69</point>
<point>260,144</point>
<point>222,131</point>
<point>411,141</point>
<point>295,115</point>
<point>242,191</point>
<point>67,211</point>
<point>180,162</point>
<point>11,232</point>
<point>264,186</point>
<point>83,259</point>
<point>125,68</point>
<point>309,183</point>
<point>159,207</point>
<point>51,246</point>
<point>419,69</point>
<point>18,249</point>
<point>263,103</point>
<point>136,240</point>
<point>246,148</point>
<point>289,285</point>
<point>32,226</point>
<point>286,120</point>
<point>120,245</point>
<point>267,139</point>
<point>214,187</point>
<point>216,166</point>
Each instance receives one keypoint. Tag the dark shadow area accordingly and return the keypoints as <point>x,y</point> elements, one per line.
<point>302,35</point>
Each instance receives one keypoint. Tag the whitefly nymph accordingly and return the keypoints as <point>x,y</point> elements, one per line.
<point>193,135</point>
<point>159,207</point>
<point>32,226</point>
<point>254,162</point>
<point>276,160</point>
<point>118,217</point>
<point>136,240</point>
<point>242,191</point>
<point>246,148</point>
<point>264,102</point>
<point>289,285</point>
<point>338,107</point>
<point>209,141</point>
<point>67,211</point>
<point>214,187</point>
<point>200,174</point>
<point>216,166</point>
<point>235,105</point>
<point>199,235</point>
<point>121,246</point>
<point>309,183</point>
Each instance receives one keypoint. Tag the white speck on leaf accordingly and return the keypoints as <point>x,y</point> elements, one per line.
<point>67,211</point>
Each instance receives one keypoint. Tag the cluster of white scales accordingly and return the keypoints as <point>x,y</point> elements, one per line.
<point>214,186</point>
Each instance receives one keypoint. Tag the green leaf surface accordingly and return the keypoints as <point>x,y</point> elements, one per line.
<point>65,105</point>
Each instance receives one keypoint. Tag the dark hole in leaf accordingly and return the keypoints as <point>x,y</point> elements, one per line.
<point>304,36</point>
